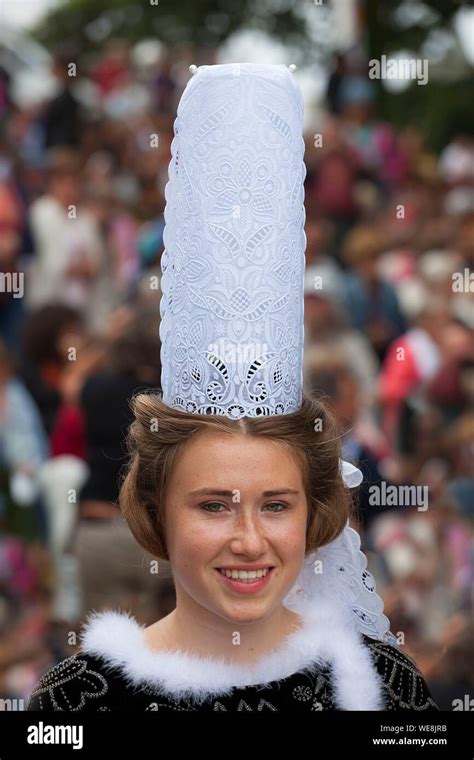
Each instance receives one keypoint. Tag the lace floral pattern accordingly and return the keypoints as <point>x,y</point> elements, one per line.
<point>339,570</point>
<point>233,268</point>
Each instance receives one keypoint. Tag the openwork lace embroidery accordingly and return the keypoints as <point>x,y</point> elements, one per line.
<point>231,329</point>
<point>232,286</point>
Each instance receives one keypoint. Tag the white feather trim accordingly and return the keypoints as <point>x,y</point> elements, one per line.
<point>328,635</point>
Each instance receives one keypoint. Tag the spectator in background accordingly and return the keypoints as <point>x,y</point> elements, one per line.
<point>328,328</point>
<point>453,674</point>
<point>371,302</point>
<point>48,335</point>
<point>375,142</point>
<point>449,388</point>
<point>459,452</point>
<point>23,449</point>
<point>12,222</point>
<point>333,92</point>
<point>113,569</point>
<point>68,245</point>
<point>457,161</point>
<point>411,360</point>
<point>62,120</point>
<point>332,183</point>
<point>164,89</point>
<point>330,375</point>
<point>428,358</point>
<point>113,62</point>
<point>5,100</point>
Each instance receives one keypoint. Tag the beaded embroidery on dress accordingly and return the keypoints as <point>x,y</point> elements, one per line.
<point>314,669</point>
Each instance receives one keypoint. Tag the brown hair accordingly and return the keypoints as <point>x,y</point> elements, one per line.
<point>159,433</point>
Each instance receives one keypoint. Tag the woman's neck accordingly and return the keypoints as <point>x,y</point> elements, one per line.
<point>208,635</point>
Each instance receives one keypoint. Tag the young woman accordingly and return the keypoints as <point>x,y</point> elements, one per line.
<point>235,476</point>
<point>235,505</point>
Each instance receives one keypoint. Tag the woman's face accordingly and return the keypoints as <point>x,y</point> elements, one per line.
<point>235,501</point>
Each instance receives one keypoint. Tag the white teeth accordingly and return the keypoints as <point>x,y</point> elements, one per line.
<point>248,576</point>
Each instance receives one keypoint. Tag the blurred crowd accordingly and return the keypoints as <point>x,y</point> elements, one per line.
<point>388,330</point>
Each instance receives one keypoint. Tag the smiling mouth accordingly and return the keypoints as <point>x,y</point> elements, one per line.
<point>245,576</point>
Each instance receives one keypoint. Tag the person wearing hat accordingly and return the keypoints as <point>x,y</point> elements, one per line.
<point>235,475</point>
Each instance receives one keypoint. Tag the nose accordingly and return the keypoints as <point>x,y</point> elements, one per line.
<point>249,536</point>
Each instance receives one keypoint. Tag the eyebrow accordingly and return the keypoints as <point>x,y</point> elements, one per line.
<point>217,492</point>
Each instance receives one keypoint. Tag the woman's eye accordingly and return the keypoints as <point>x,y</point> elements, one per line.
<point>278,504</point>
<point>210,506</point>
<point>214,507</point>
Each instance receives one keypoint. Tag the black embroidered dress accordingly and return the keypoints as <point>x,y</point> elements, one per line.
<point>117,671</point>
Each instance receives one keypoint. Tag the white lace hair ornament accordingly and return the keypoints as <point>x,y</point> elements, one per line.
<point>232,303</point>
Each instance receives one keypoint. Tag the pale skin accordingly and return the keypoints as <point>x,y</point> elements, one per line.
<point>241,527</point>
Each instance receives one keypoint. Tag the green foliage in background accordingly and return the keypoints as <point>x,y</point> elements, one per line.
<point>444,106</point>
<point>441,107</point>
<point>87,23</point>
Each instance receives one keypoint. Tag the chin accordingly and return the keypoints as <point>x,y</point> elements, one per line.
<point>244,613</point>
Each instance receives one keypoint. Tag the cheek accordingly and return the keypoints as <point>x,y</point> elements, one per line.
<point>291,542</point>
<point>191,541</point>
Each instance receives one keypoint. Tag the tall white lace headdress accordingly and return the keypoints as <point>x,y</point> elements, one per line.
<point>232,303</point>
